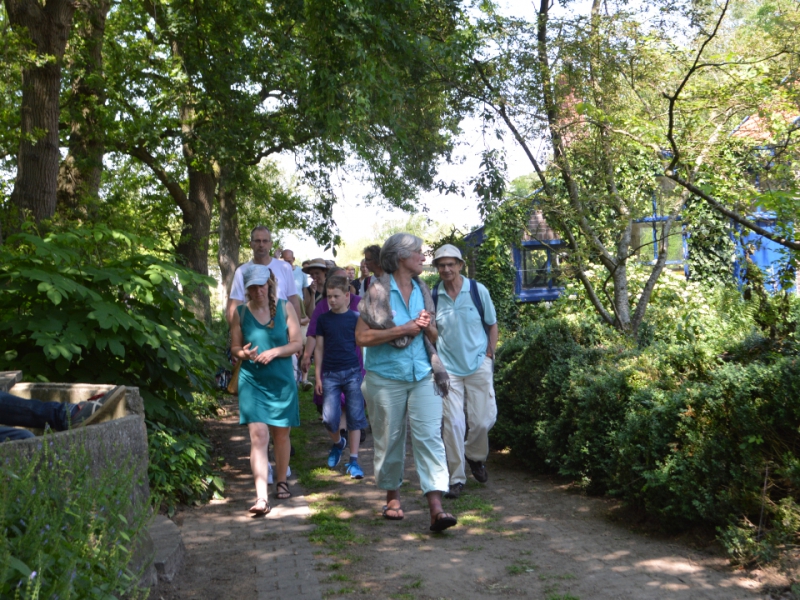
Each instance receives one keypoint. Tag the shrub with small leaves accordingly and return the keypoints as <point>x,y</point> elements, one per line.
<point>700,425</point>
<point>181,468</point>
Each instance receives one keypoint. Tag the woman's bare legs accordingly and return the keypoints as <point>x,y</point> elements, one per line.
<point>259,462</point>
<point>283,447</point>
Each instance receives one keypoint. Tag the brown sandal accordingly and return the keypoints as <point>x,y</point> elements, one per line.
<point>282,491</point>
<point>442,521</point>
<point>261,507</point>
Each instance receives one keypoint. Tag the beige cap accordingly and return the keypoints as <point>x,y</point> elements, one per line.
<point>317,263</point>
<point>447,251</point>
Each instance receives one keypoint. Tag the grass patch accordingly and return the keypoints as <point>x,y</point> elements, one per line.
<point>473,510</point>
<point>562,597</point>
<point>521,566</point>
<point>310,475</point>
<point>339,592</point>
<point>338,577</point>
<point>564,577</point>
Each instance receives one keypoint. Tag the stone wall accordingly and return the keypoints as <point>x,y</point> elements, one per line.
<point>119,443</point>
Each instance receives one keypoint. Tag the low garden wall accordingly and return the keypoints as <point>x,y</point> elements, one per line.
<point>117,444</point>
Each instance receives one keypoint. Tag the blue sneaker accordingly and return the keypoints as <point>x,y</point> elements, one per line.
<point>354,469</point>
<point>335,455</point>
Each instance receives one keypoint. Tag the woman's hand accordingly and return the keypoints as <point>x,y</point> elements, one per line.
<point>411,328</point>
<point>249,354</point>
<point>423,320</point>
<point>267,355</point>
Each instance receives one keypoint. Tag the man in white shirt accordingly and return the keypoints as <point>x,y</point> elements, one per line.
<point>261,243</point>
<point>300,278</point>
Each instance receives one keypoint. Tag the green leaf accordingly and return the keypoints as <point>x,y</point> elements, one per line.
<point>116,347</point>
<point>20,566</point>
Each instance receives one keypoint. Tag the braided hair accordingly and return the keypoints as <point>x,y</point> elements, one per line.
<point>272,293</point>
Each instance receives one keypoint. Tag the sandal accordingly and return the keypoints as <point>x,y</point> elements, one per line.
<point>282,491</point>
<point>397,513</point>
<point>442,521</point>
<point>261,507</point>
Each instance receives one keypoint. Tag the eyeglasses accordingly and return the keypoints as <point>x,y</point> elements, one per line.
<point>265,242</point>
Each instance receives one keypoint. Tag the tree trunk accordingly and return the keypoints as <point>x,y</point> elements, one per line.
<point>193,246</point>
<point>228,256</point>
<point>79,175</point>
<point>47,27</point>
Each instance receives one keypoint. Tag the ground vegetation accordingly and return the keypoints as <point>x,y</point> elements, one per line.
<point>68,531</point>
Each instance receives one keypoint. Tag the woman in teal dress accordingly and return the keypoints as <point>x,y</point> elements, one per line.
<point>265,333</point>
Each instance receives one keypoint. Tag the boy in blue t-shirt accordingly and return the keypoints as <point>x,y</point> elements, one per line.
<point>339,372</point>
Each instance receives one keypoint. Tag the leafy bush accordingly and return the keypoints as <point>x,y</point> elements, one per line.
<point>689,428</point>
<point>99,305</point>
<point>66,532</point>
<point>181,468</point>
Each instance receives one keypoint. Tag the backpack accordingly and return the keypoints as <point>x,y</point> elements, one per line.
<point>473,293</point>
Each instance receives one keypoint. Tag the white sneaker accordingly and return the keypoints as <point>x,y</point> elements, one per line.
<point>269,475</point>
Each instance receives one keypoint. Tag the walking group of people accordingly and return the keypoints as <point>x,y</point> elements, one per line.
<point>404,354</point>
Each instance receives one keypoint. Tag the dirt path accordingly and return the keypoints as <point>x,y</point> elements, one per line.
<point>517,536</point>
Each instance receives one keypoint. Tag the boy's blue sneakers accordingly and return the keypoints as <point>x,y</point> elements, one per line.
<point>335,455</point>
<point>354,469</point>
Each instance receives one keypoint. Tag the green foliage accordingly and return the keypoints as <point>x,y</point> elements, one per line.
<point>711,249</point>
<point>775,315</point>
<point>689,427</point>
<point>65,531</point>
<point>99,305</point>
<point>181,469</point>
<point>505,219</point>
<point>12,59</point>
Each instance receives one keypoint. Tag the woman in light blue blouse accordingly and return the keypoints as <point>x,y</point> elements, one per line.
<point>399,384</point>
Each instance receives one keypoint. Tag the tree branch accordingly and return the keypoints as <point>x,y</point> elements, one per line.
<point>673,99</point>
<point>743,221</point>
<point>174,188</point>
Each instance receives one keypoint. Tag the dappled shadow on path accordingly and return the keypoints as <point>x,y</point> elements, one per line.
<point>517,536</point>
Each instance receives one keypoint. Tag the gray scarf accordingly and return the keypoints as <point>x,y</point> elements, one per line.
<point>376,310</point>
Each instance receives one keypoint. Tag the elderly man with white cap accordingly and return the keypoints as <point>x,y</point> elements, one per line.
<point>467,324</point>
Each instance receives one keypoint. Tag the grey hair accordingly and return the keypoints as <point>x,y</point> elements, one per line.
<point>260,228</point>
<point>398,247</point>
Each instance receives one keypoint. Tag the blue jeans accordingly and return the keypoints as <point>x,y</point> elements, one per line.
<point>334,384</point>
<point>21,412</point>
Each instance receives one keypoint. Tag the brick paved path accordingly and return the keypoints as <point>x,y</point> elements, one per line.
<point>230,554</point>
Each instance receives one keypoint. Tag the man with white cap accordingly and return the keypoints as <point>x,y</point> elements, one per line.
<point>467,324</point>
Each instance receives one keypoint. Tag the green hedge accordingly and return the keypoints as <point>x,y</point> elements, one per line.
<point>686,431</point>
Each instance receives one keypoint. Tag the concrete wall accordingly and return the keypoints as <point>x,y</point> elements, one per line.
<point>114,444</point>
